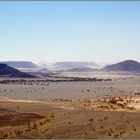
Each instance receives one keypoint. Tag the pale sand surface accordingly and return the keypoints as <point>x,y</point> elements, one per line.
<point>100,74</point>
<point>71,90</point>
<point>62,110</point>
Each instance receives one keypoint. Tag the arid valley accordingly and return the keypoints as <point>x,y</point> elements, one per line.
<point>71,107</point>
<point>70,69</point>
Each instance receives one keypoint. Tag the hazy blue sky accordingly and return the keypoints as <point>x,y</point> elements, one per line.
<point>70,31</point>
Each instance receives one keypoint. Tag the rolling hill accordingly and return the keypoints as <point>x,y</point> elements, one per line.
<point>128,65</point>
<point>7,71</point>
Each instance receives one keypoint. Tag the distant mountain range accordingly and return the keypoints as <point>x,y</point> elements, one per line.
<point>7,71</point>
<point>128,65</point>
<point>9,68</point>
<point>71,65</point>
<point>20,64</point>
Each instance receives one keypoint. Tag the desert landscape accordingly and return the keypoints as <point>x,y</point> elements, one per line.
<point>69,69</point>
<point>71,107</point>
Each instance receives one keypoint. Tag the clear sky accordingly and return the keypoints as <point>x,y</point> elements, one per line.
<point>70,31</point>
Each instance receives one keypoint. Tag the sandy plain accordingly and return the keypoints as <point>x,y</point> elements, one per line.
<point>67,109</point>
